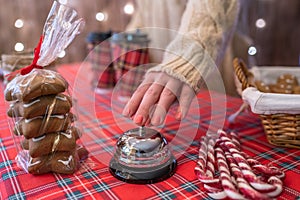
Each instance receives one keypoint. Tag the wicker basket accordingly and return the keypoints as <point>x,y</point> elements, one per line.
<point>16,61</point>
<point>282,129</point>
<point>12,62</point>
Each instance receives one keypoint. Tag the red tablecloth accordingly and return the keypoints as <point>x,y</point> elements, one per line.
<point>104,126</point>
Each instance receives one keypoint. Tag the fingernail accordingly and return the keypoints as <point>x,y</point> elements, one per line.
<point>156,121</point>
<point>126,112</point>
<point>138,119</point>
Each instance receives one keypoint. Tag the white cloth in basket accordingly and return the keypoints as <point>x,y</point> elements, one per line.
<point>272,103</point>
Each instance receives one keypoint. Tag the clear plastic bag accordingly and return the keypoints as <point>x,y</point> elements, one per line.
<point>41,108</point>
<point>61,27</point>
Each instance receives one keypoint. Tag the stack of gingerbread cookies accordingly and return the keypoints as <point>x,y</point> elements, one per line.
<point>42,113</point>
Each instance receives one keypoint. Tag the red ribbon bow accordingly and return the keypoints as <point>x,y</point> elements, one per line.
<point>30,67</point>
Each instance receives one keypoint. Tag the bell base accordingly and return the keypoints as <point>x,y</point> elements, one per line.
<point>142,175</point>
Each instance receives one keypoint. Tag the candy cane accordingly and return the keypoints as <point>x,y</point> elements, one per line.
<point>235,139</point>
<point>225,177</point>
<point>215,188</point>
<point>272,187</point>
<point>202,157</point>
<point>227,149</point>
<point>272,173</point>
<point>263,169</point>
<point>211,184</point>
<point>277,183</point>
<point>242,184</point>
<point>232,136</point>
<point>267,170</point>
<point>246,169</point>
<point>210,168</point>
<point>205,166</point>
<point>256,165</point>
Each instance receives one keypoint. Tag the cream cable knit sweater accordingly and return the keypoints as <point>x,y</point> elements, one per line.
<point>160,19</point>
<point>205,29</point>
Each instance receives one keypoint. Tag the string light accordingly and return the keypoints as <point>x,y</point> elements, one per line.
<point>260,23</point>
<point>100,16</point>
<point>62,54</point>
<point>129,9</point>
<point>252,51</point>
<point>64,2</point>
<point>19,46</point>
<point>19,23</point>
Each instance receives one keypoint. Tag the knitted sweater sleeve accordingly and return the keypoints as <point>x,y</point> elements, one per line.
<point>205,29</point>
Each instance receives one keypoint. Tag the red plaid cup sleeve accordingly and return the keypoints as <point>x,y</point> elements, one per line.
<point>101,61</point>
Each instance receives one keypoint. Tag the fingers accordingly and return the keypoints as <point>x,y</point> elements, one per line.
<point>134,102</point>
<point>185,100</point>
<point>153,98</point>
<point>167,98</point>
<point>149,99</point>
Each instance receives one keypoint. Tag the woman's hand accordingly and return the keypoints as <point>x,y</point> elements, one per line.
<point>151,101</point>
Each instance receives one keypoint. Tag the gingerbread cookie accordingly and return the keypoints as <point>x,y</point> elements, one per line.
<point>25,144</point>
<point>37,83</point>
<point>287,79</point>
<point>41,125</point>
<point>261,86</point>
<point>296,90</point>
<point>82,152</point>
<point>53,142</point>
<point>59,162</point>
<point>44,105</point>
<point>282,88</point>
<point>285,84</point>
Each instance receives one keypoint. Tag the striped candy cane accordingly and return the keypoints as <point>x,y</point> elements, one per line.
<point>270,187</point>
<point>256,165</point>
<point>263,169</point>
<point>237,179</point>
<point>248,173</point>
<point>242,184</point>
<point>225,177</point>
<point>205,165</point>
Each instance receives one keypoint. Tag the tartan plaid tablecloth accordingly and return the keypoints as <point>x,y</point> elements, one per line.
<point>93,180</point>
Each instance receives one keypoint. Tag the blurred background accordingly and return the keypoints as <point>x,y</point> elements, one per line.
<point>273,26</point>
<point>22,23</point>
<point>269,30</point>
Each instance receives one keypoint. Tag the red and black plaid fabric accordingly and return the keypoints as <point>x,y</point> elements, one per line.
<point>101,60</point>
<point>129,63</point>
<point>93,180</point>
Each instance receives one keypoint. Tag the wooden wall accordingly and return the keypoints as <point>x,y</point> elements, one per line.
<point>278,43</point>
